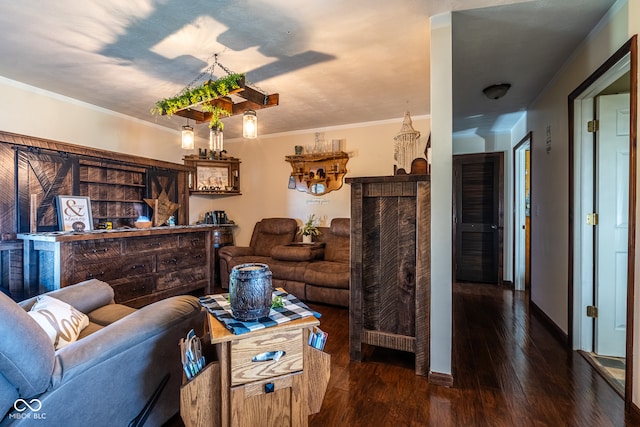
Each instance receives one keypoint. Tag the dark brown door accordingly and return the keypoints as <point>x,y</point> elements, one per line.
<point>478,217</point>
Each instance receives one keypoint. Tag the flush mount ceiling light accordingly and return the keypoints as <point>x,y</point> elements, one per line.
<point>496,91</point>
<point>213,99</point>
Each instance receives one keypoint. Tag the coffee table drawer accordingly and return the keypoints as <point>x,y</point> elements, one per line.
<point>243,351</point>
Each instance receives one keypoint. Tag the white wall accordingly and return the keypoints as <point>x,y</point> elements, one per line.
<point>550,192</point>
<point>441,193</point>
<point>34,112</point>
<point>264,174</point>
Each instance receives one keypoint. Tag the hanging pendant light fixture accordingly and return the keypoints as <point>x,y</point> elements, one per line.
<point>250,124</point>
<point>216,140</point>
<point>188,137</point>
<point>208,99</point>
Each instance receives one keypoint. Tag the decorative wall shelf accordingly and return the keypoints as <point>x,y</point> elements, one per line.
<point>318,174</point>
<point>214,177</point>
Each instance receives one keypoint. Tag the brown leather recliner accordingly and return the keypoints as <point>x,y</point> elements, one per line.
<point>316,273</point>
<point>267,233</point>
<point>327,279</point>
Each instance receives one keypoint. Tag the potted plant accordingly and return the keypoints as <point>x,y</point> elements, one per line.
<point>309,230</point>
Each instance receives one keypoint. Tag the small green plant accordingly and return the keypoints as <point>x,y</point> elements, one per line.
<point>207,91</point>
<point>277,302</point>
<point>310,228</point>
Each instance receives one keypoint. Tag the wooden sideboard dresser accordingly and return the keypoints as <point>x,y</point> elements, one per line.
<point>391,265</point>
<point>142,265</point>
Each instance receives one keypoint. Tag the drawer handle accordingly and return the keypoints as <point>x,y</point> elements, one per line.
<point>153,244</point>
<point>137,266</point>
<point>269,355</point>
<point>195,241</point>
<point>91,275</point>
<point>95,251</point>
<point>170,261</point>
<point>197,256</point>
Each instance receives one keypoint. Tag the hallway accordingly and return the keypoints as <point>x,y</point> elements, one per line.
<point>509,370</point>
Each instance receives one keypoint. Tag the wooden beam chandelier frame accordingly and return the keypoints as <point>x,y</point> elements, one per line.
<point>212,100</point>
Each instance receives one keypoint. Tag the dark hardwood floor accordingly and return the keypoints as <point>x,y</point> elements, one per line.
<point>509,370</point>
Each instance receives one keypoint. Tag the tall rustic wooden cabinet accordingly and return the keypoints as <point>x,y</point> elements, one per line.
<point>390,265</point>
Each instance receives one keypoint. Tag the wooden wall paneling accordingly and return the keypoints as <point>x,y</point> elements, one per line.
<point>44,175</point>
<point>406,244</point>
<point>370,271</point>
<point>11,278</point>
<point>390,238</point>
<point>16,220</point>
<point>355,295</point>
<point>423,276</point>
<point>7,191</point>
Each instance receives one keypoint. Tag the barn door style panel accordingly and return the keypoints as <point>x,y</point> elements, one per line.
<point>390,265</point>
<point>41,176</point>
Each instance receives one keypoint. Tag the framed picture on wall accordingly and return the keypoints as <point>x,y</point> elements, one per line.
<point>212,178</point>
<point>74,213</point>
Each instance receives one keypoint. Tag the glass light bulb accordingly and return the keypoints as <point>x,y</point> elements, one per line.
<point>250,124</point>
<point>188,138</point>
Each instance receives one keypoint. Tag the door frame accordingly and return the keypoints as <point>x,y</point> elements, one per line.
<point>578,277</point>
<point>520,263</point>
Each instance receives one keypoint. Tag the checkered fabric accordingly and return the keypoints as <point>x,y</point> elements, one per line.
<point>220,308</point>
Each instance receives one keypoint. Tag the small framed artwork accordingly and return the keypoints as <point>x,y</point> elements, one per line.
<point>74,213</point>
<point>212,178</point>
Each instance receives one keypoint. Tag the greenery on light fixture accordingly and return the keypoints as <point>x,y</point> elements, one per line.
<point>207,91</point>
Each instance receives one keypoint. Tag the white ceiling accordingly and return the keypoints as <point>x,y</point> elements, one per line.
<point>333,62</point>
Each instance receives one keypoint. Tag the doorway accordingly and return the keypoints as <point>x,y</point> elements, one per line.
<point>478,217</point>
<point>522,214</point>
<point>602,189</point>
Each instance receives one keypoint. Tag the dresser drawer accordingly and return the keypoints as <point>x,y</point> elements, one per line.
<point>192,240</point>
<point>127,289</point>
<point>176,260</point>
<point>194,276</point>
<point>108,269</point>
<point>94,250</point>
<point>152,243</point>
<point>245,370</point>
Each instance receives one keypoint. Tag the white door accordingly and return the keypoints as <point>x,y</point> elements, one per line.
<point>612,231</point>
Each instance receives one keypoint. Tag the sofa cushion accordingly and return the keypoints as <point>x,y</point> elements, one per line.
<point>93,327</point>
<point>84,296</point>
<point>341,227</point>
<point>110,313</point>
<point>27,357</point>
<point>328,274</point>
<point>297,252</point>
<point>339,297</point>
<point>338,243</point>
<point>287,270</point>
<point>249,259</point>
<point>61,321</point>
<point>272,232</point>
